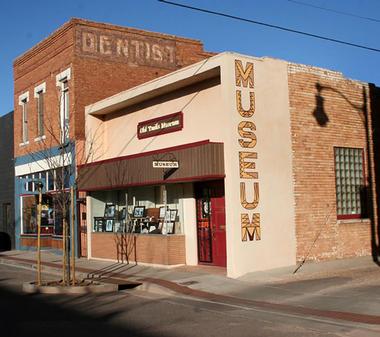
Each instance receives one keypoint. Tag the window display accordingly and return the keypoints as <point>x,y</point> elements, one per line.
<point>110,211</point>
<point>51,213</point>
<point>109,225</point>
<point>138,210</point>
<point>98,224</point>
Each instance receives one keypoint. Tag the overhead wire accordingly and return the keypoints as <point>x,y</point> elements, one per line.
<point>334,11</point>
<point>286,29</point>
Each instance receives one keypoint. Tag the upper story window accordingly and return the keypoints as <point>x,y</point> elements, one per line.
<point>64,113</point>
<point>349,180</point>
<point>39,93</point>
<point>23,102</point>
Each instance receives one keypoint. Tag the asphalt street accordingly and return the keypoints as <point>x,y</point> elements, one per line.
<point>139,313</point>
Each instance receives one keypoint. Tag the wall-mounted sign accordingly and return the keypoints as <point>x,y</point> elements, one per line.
<point>165,164</point>
<point>126,47</point>
<point>161,125</point>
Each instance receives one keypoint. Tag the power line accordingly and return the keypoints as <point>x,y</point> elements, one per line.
<point>270,25</point>
<point>334,11</point>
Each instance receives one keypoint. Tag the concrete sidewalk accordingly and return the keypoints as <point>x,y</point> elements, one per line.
<point>343,289</point>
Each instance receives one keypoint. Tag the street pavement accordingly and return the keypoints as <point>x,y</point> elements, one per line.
<point>345,292</point>
<point>140,313</point>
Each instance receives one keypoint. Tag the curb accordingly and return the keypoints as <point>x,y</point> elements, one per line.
<point>32,288</point>
<point>113,281</point>
<point>167,287</point>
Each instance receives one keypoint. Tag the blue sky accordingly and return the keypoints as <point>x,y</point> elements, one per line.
<point>24,23</point>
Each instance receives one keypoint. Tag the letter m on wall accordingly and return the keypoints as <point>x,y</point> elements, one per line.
<point>250,230</point>
<point>244,76</point>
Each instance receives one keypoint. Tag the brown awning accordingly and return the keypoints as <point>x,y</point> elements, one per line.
<point>197,161</point>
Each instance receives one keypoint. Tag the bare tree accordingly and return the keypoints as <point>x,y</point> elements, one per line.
<point>57,156</point>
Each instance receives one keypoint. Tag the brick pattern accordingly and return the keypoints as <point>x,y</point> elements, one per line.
<point>155,249</point>
<point>46,242</point>
<point>326,110</point>
<point>93,78</point>
<point>40,65</point>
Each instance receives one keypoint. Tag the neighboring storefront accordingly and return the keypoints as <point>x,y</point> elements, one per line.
<point>7,188</point>
<point>44,168</point>
<point>53,82</point>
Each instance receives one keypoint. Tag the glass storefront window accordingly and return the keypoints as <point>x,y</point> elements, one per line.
<point>29,218</point>
<point>54,203</point>
<point>51,213</point>
<point>50,182</point>
<point>146,210</point>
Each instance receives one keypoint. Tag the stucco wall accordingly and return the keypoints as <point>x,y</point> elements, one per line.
<point>210,112</point>
<point>273,243</point>
<point>202,118</point>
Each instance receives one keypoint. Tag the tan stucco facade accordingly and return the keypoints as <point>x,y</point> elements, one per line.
<point>275,246</point>
<point>236,100</point>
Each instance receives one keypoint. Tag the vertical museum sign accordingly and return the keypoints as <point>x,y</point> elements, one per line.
<point>249,177</point>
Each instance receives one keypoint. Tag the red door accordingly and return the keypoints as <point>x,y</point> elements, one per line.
<point>211,223</point>
<point>82,221</point>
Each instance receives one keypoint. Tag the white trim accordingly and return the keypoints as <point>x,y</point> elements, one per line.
<point>64,75</point>
<point>61,79</point>
<point>23,97</point>
<point>40,88</point>
<point>24,144</point>
<point>43,164</point>
<point>40,138</point>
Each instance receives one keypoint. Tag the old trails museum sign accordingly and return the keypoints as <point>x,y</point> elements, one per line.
<point>160,125</point>
<point>244,91</point>
<point>127,47</point>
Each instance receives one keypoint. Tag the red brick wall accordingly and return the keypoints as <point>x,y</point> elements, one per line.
<point>155,249</point>
<point>321,119</point>
<point>41,64</point>
<point>96,74</point>
<point>99,76</point>
<point>46,242</point>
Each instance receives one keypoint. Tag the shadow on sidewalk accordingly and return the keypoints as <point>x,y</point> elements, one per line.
<point>37,315</point>
<point>115,268</point>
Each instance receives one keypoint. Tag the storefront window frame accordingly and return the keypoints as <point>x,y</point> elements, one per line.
<point>132,225</point>
<point>30,190</point>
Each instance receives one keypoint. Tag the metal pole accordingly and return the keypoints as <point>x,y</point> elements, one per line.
<point>72,235</point>
<point>39,235</point>
<point>64,241</point>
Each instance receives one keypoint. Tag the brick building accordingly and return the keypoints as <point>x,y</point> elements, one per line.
<point>329,111</point>
<point>248,163</point>
<point>7,229</point>
<point>80,63</point>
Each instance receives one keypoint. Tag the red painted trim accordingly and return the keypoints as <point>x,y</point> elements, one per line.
<point>148,153</point>
<point>156,182</point>
<point>348,216</point>
<point>161,131</point>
